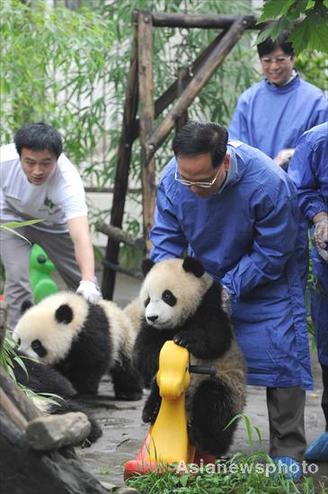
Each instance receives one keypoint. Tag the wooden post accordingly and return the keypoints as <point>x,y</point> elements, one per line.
<point>199,80</point>
<point>146,110</point>
<point>172,91</point>
<point>123,167</point>
<point>183,78</point>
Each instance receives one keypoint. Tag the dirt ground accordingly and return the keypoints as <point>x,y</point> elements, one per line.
<point>123,430</point>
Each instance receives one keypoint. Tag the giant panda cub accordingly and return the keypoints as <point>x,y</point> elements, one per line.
<point>183,303</point>
<point>82,341</point>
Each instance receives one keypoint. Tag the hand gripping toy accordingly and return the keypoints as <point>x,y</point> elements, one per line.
<point>40,270</point>
<point>167,440</point>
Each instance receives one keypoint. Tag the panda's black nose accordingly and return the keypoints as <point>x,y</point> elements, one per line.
<point>152,318</point>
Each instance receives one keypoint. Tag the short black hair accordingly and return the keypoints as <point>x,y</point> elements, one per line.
<point>268,45</point>
<point>200,138</point>
<point>37,137</point>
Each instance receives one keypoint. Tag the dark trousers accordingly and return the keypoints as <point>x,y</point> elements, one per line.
<point>286,422</point>
<point>324,401</point>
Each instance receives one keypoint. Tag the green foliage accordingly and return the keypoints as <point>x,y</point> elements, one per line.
<point>70,69</point>
<point>306,20</point>
<point>52,59</point>
<point>8,356</point>
<point>242,474</point>
<point>313,66</point>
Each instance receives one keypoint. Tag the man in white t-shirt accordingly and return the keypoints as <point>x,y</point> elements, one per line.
<point>37,181</point>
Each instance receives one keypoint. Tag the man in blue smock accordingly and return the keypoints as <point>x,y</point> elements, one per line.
<point>272,114</point>
<point>231,207</point>
<point>309,170</point>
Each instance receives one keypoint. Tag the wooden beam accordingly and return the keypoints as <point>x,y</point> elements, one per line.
<point>123,166</point>
<point>118,235</point>
<point>172,91</point>
<point>146,111</point>
<point>164,19</point>
<point>183,79</point>
<point>203,74</point>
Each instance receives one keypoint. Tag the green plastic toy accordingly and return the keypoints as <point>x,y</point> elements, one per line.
<point>40,270</point>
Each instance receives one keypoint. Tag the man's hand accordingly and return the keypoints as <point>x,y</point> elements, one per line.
<point>284,156</point>
<point>90,291</point>
<point>321,234</point>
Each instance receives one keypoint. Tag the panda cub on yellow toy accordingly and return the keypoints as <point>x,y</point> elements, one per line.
<point>183,303</point>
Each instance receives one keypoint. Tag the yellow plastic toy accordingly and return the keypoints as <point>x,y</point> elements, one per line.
<point>167,440</point>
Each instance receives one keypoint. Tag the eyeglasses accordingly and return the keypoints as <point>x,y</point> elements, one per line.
<point>188,183</point>
<point>279,60</point>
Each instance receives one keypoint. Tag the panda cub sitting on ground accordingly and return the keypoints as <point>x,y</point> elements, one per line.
<point>82,341</point>
<point>182,303</point>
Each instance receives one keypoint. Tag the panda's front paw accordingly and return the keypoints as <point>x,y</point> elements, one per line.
<point>190,340</point>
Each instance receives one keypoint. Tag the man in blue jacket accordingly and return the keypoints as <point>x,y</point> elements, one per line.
<point>309,170</point>
<point>273,114</point>
<point>231,207</point>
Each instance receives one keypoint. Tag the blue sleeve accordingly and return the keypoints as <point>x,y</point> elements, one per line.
<point>238,126</point>
<point>166,235</point>
<point>275,233</point>
<point>303,171</point>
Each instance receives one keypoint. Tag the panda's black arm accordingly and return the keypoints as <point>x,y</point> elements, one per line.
<point>152,404</point>
<point>147,346</point>
<point>207,334</point>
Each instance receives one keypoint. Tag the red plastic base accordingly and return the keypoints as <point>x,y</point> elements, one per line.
<point>140,466</point>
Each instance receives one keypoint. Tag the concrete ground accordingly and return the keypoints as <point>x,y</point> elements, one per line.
<point>123,430</point>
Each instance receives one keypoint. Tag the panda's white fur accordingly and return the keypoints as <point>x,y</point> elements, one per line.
<point>75,335</point>
<point>183,303</point>
<point>189,292</point>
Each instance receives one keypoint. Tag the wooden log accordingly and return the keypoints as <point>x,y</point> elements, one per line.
<point>12,411</point>
<point>172,91</point>
<point>118,235</point>
<point>202,21</point>
<point>123,166</point>
<point>183,78</point>
<point>18,397</point>
<point>25,471</point>
<point>129,272</point>
<point>146,110</point>
<point>203,74</point>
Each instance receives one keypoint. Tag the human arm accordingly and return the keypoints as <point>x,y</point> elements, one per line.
<point>238,128</point>
<point>274,240</point>
<point>305,172</point>
<point>284,156</point>
<point>166,235</point>
<point>80,235</point>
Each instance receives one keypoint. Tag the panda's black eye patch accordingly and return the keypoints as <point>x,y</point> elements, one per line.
<point>147,301</point>
<point>38,348</point>
<point>169,298</point>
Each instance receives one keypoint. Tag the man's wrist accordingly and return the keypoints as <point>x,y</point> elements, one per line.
<point>323,215</point>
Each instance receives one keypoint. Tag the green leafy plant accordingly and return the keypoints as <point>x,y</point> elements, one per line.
<point>306,20</point>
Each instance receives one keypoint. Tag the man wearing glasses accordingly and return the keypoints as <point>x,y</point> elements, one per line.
<point>230,206</point>
<point>272,114</point>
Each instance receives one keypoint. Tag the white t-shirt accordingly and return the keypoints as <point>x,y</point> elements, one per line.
<point>59,199</point>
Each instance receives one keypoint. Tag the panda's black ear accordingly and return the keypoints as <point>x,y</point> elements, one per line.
<point>192,265</point>
<point>64,314</point>
<point>146,266</point>
<point>25,306</point>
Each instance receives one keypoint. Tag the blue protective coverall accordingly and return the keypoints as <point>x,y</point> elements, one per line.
<point>272,118</point>
<point>309,170</point>
<point>247,238</point>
